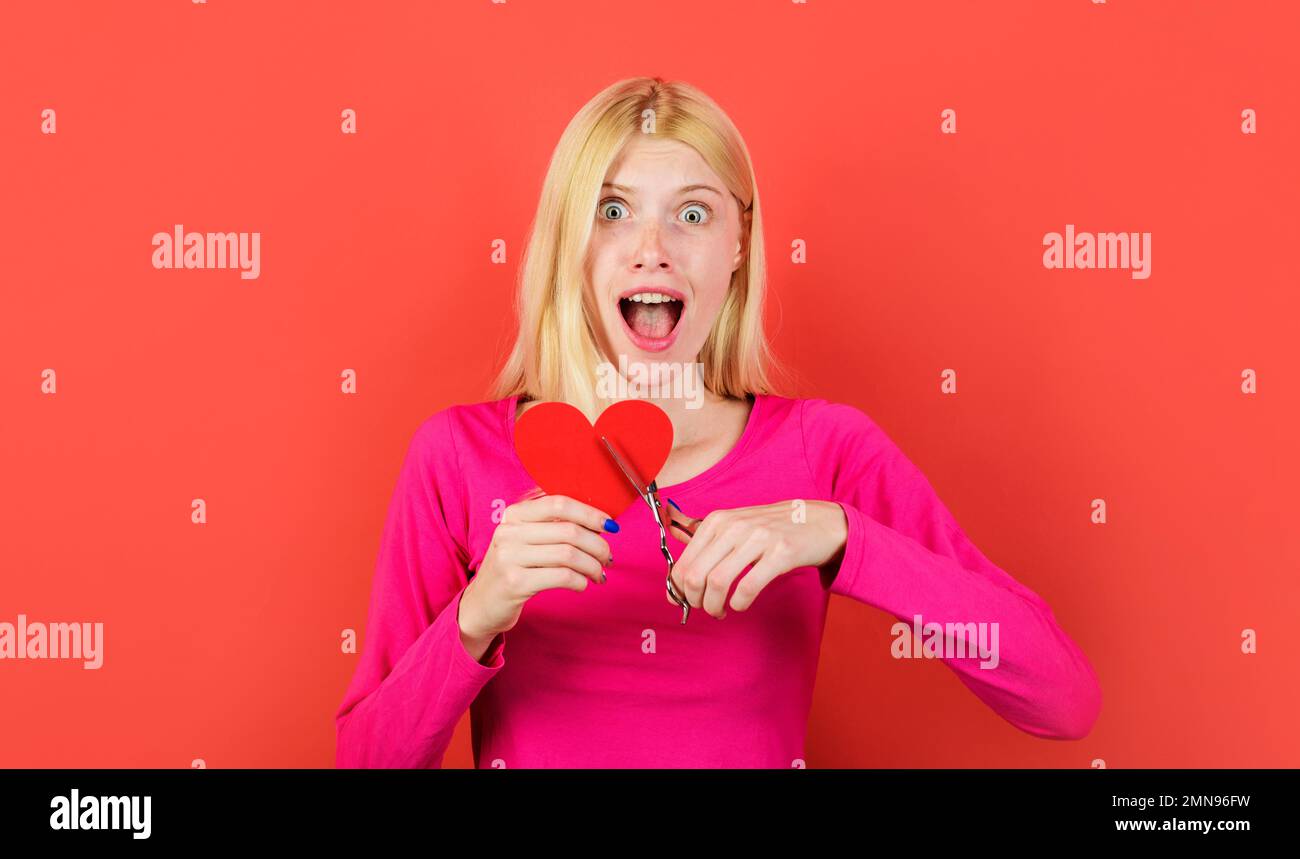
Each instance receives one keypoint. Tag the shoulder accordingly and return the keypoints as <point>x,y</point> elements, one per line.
<point>851,453</point>
<point>822,423</point>
<point>827,422</point>
<point>461,427</point>
<point>843,442</point>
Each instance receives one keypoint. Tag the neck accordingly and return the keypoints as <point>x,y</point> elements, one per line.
<point>692,425</point>
<point>694,419</point>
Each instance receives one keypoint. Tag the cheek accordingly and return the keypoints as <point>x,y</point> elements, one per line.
<point>598,272</point>
<point>710,276</point>
<point>708,305</point>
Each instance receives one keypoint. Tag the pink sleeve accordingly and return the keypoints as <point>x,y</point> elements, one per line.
<point>415,679</point>
<point>907,556</point>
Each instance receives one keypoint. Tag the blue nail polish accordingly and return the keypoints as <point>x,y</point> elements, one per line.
<point>679,510</point>
<point>611,526</point>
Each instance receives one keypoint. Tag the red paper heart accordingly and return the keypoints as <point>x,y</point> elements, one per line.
<point>562,451</point>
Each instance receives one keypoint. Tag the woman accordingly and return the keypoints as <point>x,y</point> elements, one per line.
<point>647,247</point>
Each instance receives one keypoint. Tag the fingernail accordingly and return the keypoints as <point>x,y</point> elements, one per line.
<point>611,526</point>
<point>602,577</point>
<point>679,510</point>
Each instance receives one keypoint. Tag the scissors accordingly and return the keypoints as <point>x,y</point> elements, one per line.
<point>650,495</point>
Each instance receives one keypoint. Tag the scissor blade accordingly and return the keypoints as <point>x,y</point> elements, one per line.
<point>618,460</point>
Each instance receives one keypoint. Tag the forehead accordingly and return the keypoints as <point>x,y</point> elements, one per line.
<point>646,158</point>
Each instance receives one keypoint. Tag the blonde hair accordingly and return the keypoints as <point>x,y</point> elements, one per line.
<point>555,355</point>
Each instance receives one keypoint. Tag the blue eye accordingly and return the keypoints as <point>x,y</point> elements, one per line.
<point>605,207</point>
<point>702,214</point>
<point>700,219</point>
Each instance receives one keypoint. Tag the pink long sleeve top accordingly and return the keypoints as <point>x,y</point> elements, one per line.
<point>609,677</point>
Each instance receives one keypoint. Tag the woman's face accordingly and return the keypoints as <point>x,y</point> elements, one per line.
<point>667,237</point>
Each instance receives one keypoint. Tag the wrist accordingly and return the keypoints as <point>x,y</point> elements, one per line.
<point>482,646</point>
<point>837,531</point>
<point>471,629</point>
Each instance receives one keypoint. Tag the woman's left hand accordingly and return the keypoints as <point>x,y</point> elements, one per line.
<point>774,538</point>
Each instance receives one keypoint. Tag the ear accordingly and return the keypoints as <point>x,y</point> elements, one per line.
<point>742,245</point>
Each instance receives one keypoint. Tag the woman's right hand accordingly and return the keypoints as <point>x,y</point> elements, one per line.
<point>552,541</point>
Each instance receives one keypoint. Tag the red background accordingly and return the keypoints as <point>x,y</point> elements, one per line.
<point>925,253</point>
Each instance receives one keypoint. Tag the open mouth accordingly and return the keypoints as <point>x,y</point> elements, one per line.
<point>651,318</point>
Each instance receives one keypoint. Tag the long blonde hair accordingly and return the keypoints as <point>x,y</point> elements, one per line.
<point>555,356</point>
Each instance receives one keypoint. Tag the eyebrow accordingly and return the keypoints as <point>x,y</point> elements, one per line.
<point>682,190</point>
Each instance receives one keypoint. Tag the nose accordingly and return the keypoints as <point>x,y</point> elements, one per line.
<point>650,254</point>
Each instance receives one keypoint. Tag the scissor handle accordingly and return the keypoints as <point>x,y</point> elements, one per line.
<point>672,592</point>
<point>652,497</point>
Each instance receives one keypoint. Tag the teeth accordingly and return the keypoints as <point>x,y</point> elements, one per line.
<point>651,297</point>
